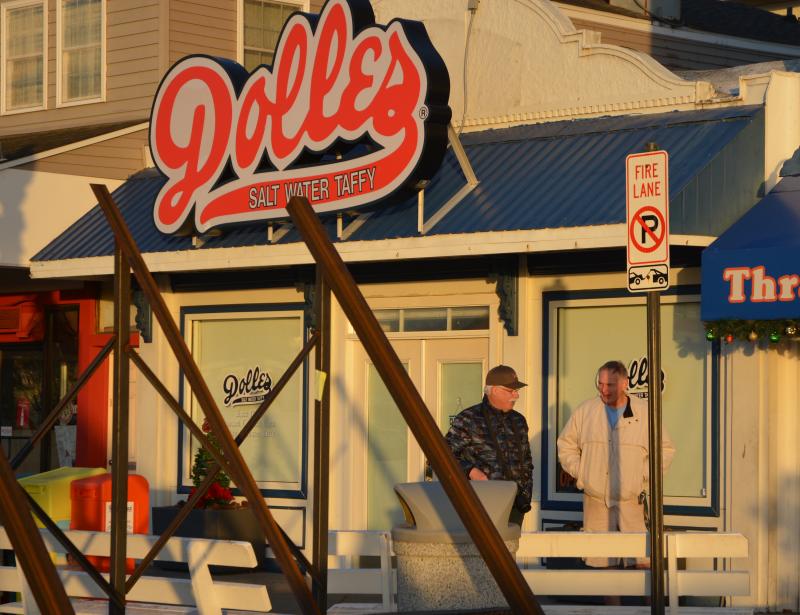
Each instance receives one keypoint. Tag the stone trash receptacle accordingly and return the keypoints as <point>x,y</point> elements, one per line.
<point>438,565</point>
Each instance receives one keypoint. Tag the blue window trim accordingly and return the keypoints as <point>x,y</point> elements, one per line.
<point>296,494</point>
<point>711,510</point>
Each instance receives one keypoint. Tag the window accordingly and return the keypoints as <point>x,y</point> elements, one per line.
<point>24,31</point>
<point>434,319</point>
<point>586,328</point>
<point>263,22</point>
<point>242,351</point>
<point>81,50</point>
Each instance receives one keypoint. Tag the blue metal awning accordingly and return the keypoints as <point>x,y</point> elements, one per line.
<point>752,271</point>
<point>546,177</point>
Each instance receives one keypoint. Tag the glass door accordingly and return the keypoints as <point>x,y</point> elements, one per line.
<point>454,374</point>
<point>449,374</point>
<point>21,376</point>
<point>33,378</point>
<point>59,447</point>
<point>388,439</point>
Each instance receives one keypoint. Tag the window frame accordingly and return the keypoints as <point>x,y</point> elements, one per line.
<point>60,102</point>
<point>4,8</point>
<point>705,506</point>
<point>302,5</point>
<point>189,316</point>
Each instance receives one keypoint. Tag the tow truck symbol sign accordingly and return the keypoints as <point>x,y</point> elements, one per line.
<point>655,277</point>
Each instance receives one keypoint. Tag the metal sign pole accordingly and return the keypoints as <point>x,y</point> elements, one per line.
<point>656,484</point>
<point>647,222</point>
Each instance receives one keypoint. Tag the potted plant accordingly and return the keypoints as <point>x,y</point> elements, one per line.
<point>217,515</point>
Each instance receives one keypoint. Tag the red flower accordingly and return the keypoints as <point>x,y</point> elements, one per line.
<point>216,494</point>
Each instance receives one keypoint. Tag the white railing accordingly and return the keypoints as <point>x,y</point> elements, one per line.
<point>210,596</point>
<point>634,582</point>
<point>345,576</point>
<point>700,582</point>
<point>581,582</point>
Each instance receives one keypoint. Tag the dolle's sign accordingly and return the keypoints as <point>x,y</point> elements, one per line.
<point>348,113</point>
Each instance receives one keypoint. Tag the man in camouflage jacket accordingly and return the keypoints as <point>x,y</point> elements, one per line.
<point>490,439</point>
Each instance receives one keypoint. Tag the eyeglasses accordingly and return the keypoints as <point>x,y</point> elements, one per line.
<point>506,389</point>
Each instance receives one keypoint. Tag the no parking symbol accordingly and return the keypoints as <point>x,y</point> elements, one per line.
<point>648,229</point>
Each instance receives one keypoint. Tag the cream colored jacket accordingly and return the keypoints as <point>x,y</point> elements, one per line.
<point>610,465</point>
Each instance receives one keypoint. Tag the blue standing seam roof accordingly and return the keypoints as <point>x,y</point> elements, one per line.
<point>539,176</point>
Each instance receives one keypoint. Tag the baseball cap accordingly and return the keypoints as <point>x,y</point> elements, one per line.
<point>504,376</point>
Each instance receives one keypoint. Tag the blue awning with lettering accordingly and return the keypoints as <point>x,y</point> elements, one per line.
<point>752,271</point>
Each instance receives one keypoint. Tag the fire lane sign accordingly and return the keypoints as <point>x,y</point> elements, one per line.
<point>647,204</point>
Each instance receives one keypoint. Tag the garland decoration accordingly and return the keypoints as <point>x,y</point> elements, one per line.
<point>752,330</point>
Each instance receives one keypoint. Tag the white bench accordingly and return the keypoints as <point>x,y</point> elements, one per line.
<point>634,582</point>
<point>197,594</point>
<point>348,546</point>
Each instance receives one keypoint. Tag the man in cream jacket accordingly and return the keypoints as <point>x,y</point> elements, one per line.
<point>604,446</point>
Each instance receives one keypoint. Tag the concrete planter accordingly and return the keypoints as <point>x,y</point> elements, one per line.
<point>446,576</point>
<point>438,565</point>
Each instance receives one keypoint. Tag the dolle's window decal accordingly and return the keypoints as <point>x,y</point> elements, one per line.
<point>250,388</point>
<point>348,113</point>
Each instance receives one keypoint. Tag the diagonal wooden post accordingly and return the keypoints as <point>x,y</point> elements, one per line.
<point>74,552</point>
<point>480,527</point>
<point>238,468</point>
<point>29,547</point>
<point>214,469</point>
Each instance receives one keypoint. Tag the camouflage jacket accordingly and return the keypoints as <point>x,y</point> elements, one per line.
<point>471,442</point>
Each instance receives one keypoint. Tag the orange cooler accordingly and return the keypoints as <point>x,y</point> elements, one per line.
<point>91,509</point>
